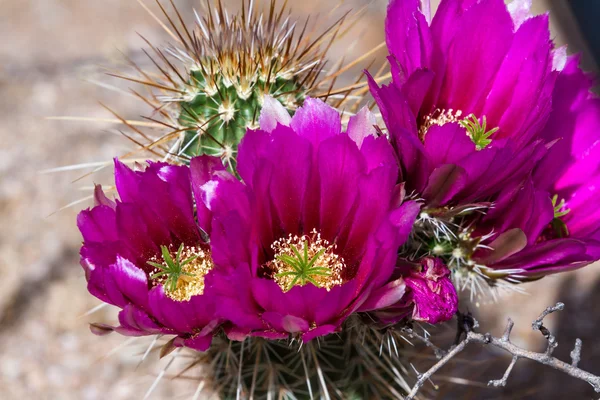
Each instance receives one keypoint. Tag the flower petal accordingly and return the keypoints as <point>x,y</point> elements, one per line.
<point>408,36</point>
<point>340,165</point>
<point>273,113</point>
<point>361,126</point>
<point>316,121</point>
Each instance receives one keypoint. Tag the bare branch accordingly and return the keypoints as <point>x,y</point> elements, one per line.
<point>508,330</point>
<point>576,353</point>
<point>439,353</point>
<point>504,343</point>
<point>538,325</point>
<point>502,382</point>
<point>422,378</point>
<point>541,358</point>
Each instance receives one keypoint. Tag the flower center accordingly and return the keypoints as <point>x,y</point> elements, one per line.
<point>181,273</point>
<point>306,259</point>
<point>476,130</point>
<point>440,118</point>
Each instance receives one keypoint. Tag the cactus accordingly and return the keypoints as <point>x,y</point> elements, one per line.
<point>362,362</point>
<point>211,82</point>
<point>220,113</point>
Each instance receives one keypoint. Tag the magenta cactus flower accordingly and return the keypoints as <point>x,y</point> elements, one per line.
<point>471,89</point>
<point>311,234</point>
<point>147,254</point>
<point>431,292</point>
<point>571,169</point>
<point>556,210</point>
<point>480,99</point>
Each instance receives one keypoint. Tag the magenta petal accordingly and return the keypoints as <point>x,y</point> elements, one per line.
<point>100,198</point>
<point>272,114</point>
<point>401,123</point>
<point>236,333</point>
<point>520,11</point>
<point>202,170</point>
<point>584,218</point>
<point>521,206</point>
<point>361,126</point>
<point>553,256</point>
<point>230,240</point>
<point>384,296</point>
<point>483,36</point>
<point>407,35</point>
<point>270,296</point>
<point>322,330</point>
<point>133,231</point>
<point>395,107</point>
<point>448,144</point>
<point>234,300</point>
<point>340,165</point>
<point>375,191</point>
<point>316,121</point>
<point>491,168</point>
<point>292,158</point>
<point>225,194</point>
<point>252,150</point>
<point>168,192</point>
<point>505,245</point>
<point>131,281</point>
<point>444,183</point>
<point>133,318</point>
<point>434,296</point>
<point>583,147</point>
<point>127,182</point>
<point>416,87</point>
<point>308,299</point>
<point>181,316</point>
<point>119,284</point>
<point>515,96</point>
<point>98,224</point>
<point>267,227</point>
<point>285,323</point>
<point>403,219</point>
<point>336,304</point>
<point>378,152</point>
<point>197,342</point>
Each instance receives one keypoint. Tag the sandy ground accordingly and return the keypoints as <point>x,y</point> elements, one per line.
<point>51,52</point>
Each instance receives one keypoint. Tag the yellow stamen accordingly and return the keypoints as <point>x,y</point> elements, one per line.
<point>190,282</point>
<point>306,259</point>
<point>439,117</point>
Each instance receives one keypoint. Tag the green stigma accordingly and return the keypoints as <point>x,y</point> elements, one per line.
<point>558,225</point>
<point>478,131</point>
<point>302,260</point>
<point>181,277</point>
<point>559,208</point>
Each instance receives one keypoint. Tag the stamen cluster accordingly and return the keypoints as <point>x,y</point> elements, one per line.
<point>476,130</point>
<point>181,273</point>
<point>439,117</point>
<point>306,259</point>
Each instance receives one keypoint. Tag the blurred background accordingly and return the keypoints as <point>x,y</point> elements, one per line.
<point>52,56</point>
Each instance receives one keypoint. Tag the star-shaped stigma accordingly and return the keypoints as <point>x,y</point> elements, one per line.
<point>303,260</point>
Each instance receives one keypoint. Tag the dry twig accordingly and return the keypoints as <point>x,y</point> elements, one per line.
<point>504,343</point>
